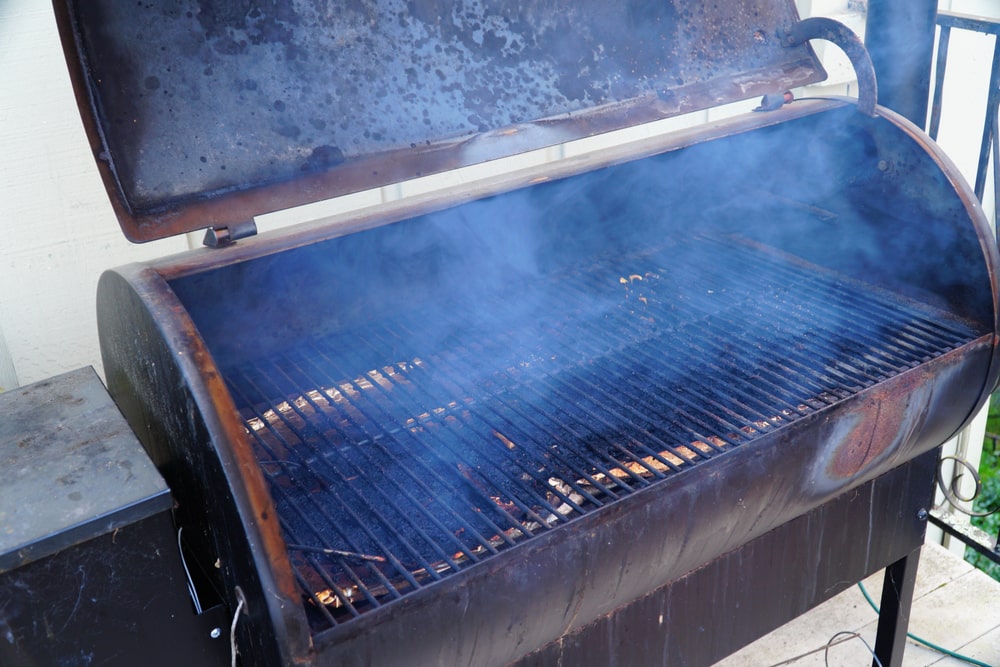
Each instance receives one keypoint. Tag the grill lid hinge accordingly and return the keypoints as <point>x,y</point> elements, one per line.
<point>222,236</point>
<point>774,101</point>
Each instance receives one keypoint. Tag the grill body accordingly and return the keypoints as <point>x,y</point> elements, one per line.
<point>504,424</point>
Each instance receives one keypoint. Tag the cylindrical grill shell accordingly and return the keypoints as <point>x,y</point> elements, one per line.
<point>517,414</point>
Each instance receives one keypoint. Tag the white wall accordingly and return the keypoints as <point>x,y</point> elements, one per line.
<point>57,230</point>
<point>970,57</point>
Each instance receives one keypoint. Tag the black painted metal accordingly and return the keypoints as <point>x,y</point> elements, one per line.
<point>894,610</point>
<point>90,570</point>
<point>990,143</point>
<point>978,540</point>
<point>526,410</point>
<point>950,519</point>
<point>764,583</point>
<point>228,535</point>
<point>944,40</point>
<point>118,599</point>
<point>967,22</point>
<point>900,40</point>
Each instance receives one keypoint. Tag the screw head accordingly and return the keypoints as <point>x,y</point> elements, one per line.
<point>922,514</point>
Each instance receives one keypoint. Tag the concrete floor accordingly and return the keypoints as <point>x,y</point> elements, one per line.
<point>955,606</point>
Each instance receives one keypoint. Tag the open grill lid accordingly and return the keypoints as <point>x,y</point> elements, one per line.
<point>208,114</point>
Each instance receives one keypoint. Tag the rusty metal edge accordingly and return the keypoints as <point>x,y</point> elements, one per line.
<point>165,323</point>
<point>371,171</point>
<point>84,101</point>
<point>991,254</point>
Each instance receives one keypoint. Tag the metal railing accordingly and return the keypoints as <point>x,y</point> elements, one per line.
<point>949,518</point>
<point>990,146</point>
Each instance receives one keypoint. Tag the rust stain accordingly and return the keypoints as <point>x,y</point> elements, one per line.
<point>884,422</point>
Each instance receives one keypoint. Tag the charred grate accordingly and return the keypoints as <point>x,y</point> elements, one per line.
<point>408,450</point>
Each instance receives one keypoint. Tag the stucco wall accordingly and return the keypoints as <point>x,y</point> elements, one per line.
<point>57,230</point>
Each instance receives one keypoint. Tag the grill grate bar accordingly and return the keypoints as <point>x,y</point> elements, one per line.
<point>430,442</point>
<point>770,330</point>
<point>922,335</point>
<point>580,427</point>
<point>400,453</point>
<point>386,441</point>
<point>887,356</point>
<point>573,367</point>
<point>514,409</point>
<point>524,466</point>
<point>700,409</point>
<point>413,404</point>
<point>349,468</point>
<point>362,526</point>
<point>679,345</point>
<point>291,505</point>
<point>357,500</point>
<point>523,426</point>
<point>760,338</point>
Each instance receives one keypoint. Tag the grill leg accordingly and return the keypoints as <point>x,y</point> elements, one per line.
<point>894,618</point>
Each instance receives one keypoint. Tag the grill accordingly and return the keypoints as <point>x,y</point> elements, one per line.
<point>406,458</point>
<point>638,406</point>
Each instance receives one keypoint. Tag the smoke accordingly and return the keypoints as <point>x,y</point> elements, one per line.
<point>825,190</point>
<point>430,391</point>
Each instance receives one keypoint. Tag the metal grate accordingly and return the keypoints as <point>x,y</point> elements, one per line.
<point>407,450</point>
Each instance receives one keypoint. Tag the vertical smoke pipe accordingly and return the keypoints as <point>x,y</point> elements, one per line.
<point>900,39</point>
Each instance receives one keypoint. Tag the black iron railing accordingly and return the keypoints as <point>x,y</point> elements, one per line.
<point>949,518</point>
<point>961,502</point>
<point>990,146</point>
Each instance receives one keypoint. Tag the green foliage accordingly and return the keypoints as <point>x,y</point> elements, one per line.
<point>993,419</point>
<point>989,497</point>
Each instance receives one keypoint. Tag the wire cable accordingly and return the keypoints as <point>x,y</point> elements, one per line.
<point>190,582</point>
<point>232,630</point>
<point>825,647</point>
<point>920,640</point>
<point>850,635</point>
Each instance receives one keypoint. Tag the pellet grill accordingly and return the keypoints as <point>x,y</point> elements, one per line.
<point>637,406</point>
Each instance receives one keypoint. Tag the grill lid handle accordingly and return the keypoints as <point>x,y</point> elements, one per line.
<point>851,44</point>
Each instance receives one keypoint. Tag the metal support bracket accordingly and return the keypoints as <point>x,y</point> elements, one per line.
<point>220,237</point>
<point>851,44</point>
